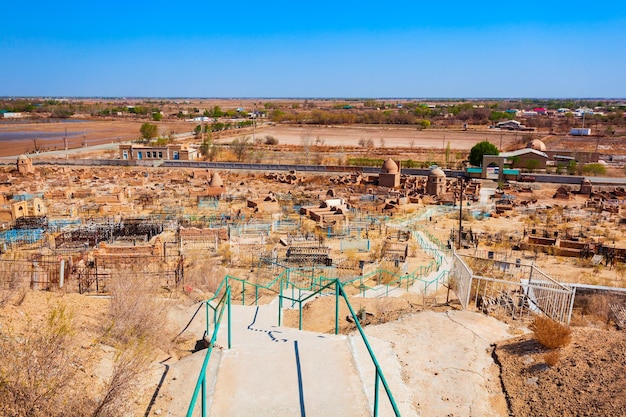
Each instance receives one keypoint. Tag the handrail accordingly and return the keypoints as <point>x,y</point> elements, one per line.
<point>433,248</point>
<point>339,291</point>
<point>225,302</point>
<point>317,285</point>
<point>201,383</point>
<point>379,372</point>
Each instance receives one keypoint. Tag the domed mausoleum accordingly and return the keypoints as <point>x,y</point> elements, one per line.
<point>389,174</point>
<point>25,165</point>
<point>537,145</point>
<point>436,184</point>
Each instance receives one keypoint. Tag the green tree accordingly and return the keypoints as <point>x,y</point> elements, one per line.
<point>217,112</point>
<point>157,116</point>
<point>422,111</point>
<point>205,146</point>
<point>496,116</point>
<point>594,169</point>
<point>149,131</point>
<point>208,149</point>
<point>532,164</point>
<point>480,149</point>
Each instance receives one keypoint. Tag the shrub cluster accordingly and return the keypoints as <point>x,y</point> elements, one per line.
<point>551,334</point>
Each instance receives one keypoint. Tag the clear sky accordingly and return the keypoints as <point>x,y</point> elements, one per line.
<point>313,49</point>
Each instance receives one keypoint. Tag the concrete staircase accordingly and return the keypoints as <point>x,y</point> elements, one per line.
<point>278,371</point>
<point>275,371</point>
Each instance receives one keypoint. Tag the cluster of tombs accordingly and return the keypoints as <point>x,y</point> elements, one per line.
<point>102,217</point>
<point>100,220</point>
<point>603,199</point>
<point>436,186</point>
<point>580,248</point>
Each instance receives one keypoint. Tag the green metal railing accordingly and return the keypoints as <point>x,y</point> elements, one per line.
<point>224,304</point>
<point>200,388</point>
<point>303,284</point>
<point>340,292</point>
<point>380,377</point>
<point>303,280</point>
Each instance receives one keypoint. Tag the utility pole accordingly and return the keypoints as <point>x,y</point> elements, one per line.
<point>460,180</point>
<point>253,122</point>
<point>584,118</point>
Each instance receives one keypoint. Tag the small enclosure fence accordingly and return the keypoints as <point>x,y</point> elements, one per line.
<point>511,288</point>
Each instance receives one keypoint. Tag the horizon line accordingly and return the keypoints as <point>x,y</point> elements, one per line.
<point>304,98</point>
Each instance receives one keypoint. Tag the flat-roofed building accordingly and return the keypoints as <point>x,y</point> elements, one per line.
<point>166,152</point>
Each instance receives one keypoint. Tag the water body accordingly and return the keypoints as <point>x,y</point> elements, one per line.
<point>14,136</point>
<point>40,121</point>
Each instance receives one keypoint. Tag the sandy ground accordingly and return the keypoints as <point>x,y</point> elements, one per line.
<point>438,360</point>
<point>587,380</point>
<point>94,132</point>
<point>384,136</point>
<point>49,136</point>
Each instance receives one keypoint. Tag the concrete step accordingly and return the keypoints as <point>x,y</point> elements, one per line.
<point>272,371</point>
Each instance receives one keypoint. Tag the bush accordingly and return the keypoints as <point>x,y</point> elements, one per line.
<point>136,311</point>
<point>549,333</point>
<point>271,140</point>
<point>38,378</point>
<point>594,169</point>
<point>131,360</point>
<point>135,329</point>
<point>552,358</point>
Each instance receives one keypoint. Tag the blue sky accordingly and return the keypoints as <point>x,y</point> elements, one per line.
<point>314,49</point>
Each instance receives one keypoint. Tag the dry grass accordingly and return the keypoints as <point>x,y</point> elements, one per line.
<point>226,253</point>
<point>39,379</point>
<point>136,310</point>
<point>135,327</point>
<point>205,275</point>
<point>598,305</point>
<point>549,333</point>
<point>14,296</point>
<point>131,360</point>
<point>552,357</point>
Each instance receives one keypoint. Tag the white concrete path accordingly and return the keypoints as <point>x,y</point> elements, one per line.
<point>272,371</point>
<point>419,286</point>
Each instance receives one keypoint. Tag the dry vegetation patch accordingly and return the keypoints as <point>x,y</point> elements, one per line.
<point>584,378</point>
<point>549,333</point>
<point>53,345</point>
<point>319,315</point>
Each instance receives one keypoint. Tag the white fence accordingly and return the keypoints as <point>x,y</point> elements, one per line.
<point>536,292</point>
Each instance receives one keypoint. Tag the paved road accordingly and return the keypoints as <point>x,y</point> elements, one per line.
<point>113,145</point>
<point>54,155</point>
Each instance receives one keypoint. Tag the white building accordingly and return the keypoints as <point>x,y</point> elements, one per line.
<point>12,115</point>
